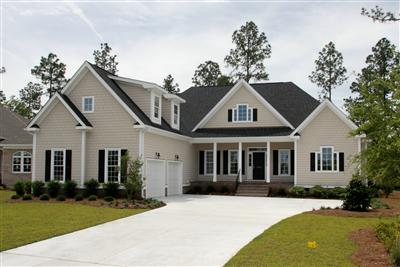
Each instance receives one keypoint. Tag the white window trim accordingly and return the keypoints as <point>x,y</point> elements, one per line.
<point>153,118</point>
<point>83,104</point>
<point>52,163</point>
<point>279,162</point>
<point>175,125</point>
<point>106,164</point>
<point>205,163</point>
<point>333,160</point>
<point>229,162</point>
<point>21,164</point>
<point>236,109</point>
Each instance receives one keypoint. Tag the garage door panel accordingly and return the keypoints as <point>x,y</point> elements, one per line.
<point>174,177</point>
<point>155,178</point>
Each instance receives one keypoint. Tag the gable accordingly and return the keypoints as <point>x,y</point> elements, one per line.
<point>243,96</point>
<point>141,96</point>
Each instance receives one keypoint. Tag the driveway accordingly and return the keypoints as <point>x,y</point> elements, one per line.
<point>191,230</point>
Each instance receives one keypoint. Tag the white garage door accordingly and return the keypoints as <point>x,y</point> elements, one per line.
<point>155,178</point>
<point>174,177</point>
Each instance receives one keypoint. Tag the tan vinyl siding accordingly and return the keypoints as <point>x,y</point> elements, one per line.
<point>166,110</point>
<point>243,96</point>
<point>140,96</point>
<point>326,129</point>
<point>168,148</point>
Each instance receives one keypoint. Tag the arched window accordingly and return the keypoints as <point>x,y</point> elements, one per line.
<point>21,162</point>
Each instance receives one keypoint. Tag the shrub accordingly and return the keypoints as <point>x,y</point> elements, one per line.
<point>53,188</point>
<point>297,191</point>
<point>318,191</point>
<point>28,187</point>
<point>111,189</point>
<point>281,192</point>
<point>395,251</point>
<point>19,188</point>
<point>44,197</point>
<point>37,188</point>
<point>197,189</point>
<point>91,187</point>
<point>210,189</point>
<point>92,198</point>
<point>225,190</point>
<point>133,182</point>
<point>376,203</point>
<point>389,234</point>
<point>15,196</point>
<point>61,198</point>
<point>358,196</point>
<point>69,189</point>
<point>108,198</point>
<point>339,192</point>
<point>78,197</point>
<point>27,197</point>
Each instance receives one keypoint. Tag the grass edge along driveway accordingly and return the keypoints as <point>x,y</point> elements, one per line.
<point>25,223</point>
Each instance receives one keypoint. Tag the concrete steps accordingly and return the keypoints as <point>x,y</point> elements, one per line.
<point>249,189</point>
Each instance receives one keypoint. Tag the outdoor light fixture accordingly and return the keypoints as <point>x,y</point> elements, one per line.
<point>157,155</point>
<point>176,157</point>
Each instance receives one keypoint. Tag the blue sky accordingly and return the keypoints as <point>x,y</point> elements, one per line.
<point>155,39</point>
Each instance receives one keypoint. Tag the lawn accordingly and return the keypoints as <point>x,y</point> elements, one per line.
<point>24,223</point>
<point>285,243</point>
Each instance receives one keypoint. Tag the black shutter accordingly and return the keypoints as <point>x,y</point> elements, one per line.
<point>255,115</point>
<point>243,163</point>
<point>312,162</point>
<point>68,165</point>
<point>229,115</point>
<point>48,166</point>
<point>124,165</point>
<point>341,162</point>
<point>201,162</point>
<point>218,162</point>
<point>275,162</point>
<point>225,159</point>
<point>101,166</point>
<point>292,162</point>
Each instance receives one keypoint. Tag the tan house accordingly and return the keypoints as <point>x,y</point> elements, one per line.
<point>250,133</point>
<point>15,148</point>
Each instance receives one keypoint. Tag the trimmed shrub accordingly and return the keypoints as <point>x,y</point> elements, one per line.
<point>28,187</point>
<point>92,198</point>
<point>108,198</point>
<point>318,191</point>
<point>225,190</point>
<point>297,191</point>
<point>340,192</point>
<point>61,198</point>
<point>78,197</point>
<point>19,188</point>
<point>44,197</point>
<point>53,188</point>
<point>210,189</point>
<point>37,188</point>
<point>197,189</point>
<point>281,192</point>
<point>27,197</point>
<point>111,189</point>
<point>69,189</point>
<point>91,187</point>
<point>358,196</point>
<point>15,197</point>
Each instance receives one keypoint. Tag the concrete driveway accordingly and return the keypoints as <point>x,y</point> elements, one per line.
<point>190,231</point>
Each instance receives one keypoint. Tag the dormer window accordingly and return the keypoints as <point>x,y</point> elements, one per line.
<point>175,115</point>
<point>242,113</point>
<point>88,104</point>
<point>156,108</point>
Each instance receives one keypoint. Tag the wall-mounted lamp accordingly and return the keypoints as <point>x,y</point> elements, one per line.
<point>176,157</point>
<point>157,155</point>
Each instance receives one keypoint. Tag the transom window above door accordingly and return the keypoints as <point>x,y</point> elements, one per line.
<point>242,113</point>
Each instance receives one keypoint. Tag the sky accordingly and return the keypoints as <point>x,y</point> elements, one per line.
<point>154,39</point>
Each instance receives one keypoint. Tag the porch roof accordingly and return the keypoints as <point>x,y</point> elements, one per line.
<point>242,132</point>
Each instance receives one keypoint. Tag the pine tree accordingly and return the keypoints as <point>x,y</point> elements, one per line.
<point>104,59</point>
<point>170,85</point>
<point>31,96</point>
<point>377,14</point>
<point>19,107</point>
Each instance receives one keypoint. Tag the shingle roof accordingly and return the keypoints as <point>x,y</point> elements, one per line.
<point>242,132</point>
<point>12,128</point>
<point>76,110</point>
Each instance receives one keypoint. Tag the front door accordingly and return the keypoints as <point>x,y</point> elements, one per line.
<point>258,165</point>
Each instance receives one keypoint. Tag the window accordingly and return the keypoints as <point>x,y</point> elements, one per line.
<point>21,162</point>
<point>156,108</point>
<point>209,162</point>
<point>58,164</point>
<point>284,162</point>
<point>113,163</point>
<point>88,104</point>
<point>326,159</point>
<point>233,162</point>
<point>242,113</point>
<point>175,115</point>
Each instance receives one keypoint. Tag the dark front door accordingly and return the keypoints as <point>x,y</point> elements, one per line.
<point>258,165</point>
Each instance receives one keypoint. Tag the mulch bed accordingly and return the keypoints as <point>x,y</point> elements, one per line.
<point>370,252</point>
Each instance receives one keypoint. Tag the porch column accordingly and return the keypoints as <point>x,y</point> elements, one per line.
<point>295,163</point>
<point>214,162</point>
<point>33,164</point>
<point>240,161</point>
<point>268,162</point>
<point>83,157</point>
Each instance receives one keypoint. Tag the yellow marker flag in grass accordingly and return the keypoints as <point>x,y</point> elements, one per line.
<point>312,244</point>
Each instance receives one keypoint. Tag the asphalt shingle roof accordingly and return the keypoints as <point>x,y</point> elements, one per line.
<point>242,132</point>
<point>12,128</point>
<point>76,110</point>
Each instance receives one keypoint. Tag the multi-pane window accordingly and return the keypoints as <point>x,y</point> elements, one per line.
<point>209,162</point>
<point>156,107</point>
<point>21,162</point>
<point>113,165</point>
<point>58,164</point>
<point>327,159</point>
<point>284,162</point>
<point>233,162</point>
<point>88,104</point>
<point>242,113</point>
<point>175,114</point>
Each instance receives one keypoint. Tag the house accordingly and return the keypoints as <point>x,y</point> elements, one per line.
<point>266,133</point>
<point>15,148</point>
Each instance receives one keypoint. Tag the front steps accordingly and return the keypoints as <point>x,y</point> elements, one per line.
<point>253,189</point>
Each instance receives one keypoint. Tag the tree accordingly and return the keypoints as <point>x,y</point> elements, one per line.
<point>51,72</point>
<point>104,59</point>
<point>19,107</point>
<point>224,80</point>
<point>31,95</point>
<point>377,14</point>
<point>2,69</point>
<point>207,74</point>
<point>2,95</point>
<point>329,70</point>
<point>251,49</point>
<point>170,85</point>
<point>133,183</point>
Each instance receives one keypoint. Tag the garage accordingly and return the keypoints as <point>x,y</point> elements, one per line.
<point>174,177</point>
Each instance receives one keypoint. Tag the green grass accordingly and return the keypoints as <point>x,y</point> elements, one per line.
<point>24,223</point>
<point>285,243</point>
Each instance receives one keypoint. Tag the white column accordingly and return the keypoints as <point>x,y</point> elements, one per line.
<point>240,161</point>
<point>268,162</point>
<point>83,157</point>
<point>295,162</point>
<point>141,144</point>
<point>215,162</point>
<point>33,165</point>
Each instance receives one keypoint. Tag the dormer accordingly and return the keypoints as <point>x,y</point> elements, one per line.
<point>172,110</point>
<point>155,107</point>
